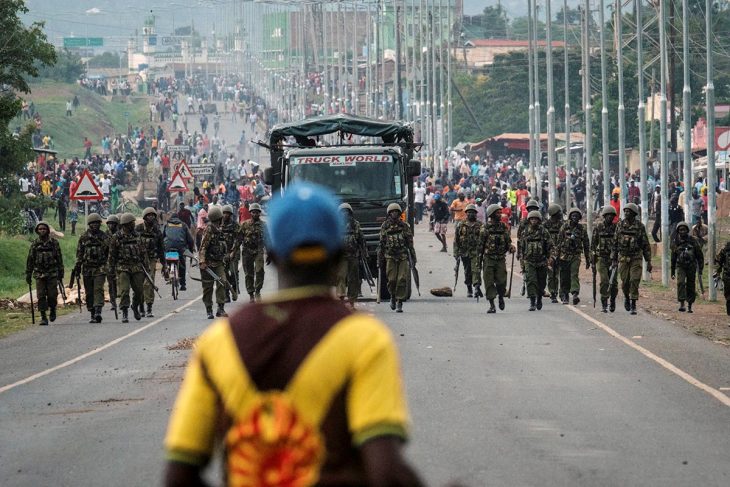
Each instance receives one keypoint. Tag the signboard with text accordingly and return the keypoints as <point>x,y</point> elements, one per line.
<point>83,42</point>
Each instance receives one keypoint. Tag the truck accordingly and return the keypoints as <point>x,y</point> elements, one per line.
<point>370,172</point>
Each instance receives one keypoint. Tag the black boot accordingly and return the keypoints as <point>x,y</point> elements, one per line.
<point>182,287</point>
<point>251,299</point>
<point>469,291</point>
<point>627,303</point>
<point>221,312</point>
<point>604,305</point>
<point>633,307</point>
<point>399,306</point>
<point>681,307</point>
<point>576,299</point>
<point>491,309</point>
<point>612,303</point>
<point>689,307</point>
<point>44,319</point>
<point>532,303</point>
<point>392,303</point>
<point>149,310</point>
<point>92,319</point>
<point>97,314</point>
<point>539,302</point>
<point>52,315</point>
<point>564,298</point>
<point>125,315</point>
<point>209,310</point>
<point>136,312</point>
<point>727,307</point>
<point>500,300</point>
<point>553,298</point>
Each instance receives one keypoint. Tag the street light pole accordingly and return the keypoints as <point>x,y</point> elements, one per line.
<point>538,131</point>
<point>711,174</point>
<point>666,237</point>
<point>621,109</point>
<point>588,115</point>
<point>641,110</point>
<point>566,68</point>
<point>604,105</point>
<point>531,109</point>
<point>686,112</point>
<point>552,187</point>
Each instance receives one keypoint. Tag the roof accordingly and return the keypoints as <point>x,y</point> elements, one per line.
<point>509,43</point>
<point>393,131</point>
<point>574,136</point>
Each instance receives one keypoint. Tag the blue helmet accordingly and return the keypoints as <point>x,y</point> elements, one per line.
<point>437,197</point>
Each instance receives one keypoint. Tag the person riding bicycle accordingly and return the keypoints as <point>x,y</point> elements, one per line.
<point>177,238</point>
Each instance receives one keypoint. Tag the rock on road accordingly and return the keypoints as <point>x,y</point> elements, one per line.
<point>545,398</point>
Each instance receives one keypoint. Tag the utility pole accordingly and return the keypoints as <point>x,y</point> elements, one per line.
<point>566,69</point>
<point>621,109</point>
<point>604,106</point>
<point>642,117</point>
<point>449,105</point>
<point>663,143</point>
<point>711,174</point>
<point>434,132</point>
<point>538,131</point>
<point>552,187</point>
<point>672,53</point>
<point>531,110</point>
<point>589,129</point>
<point>398,90</point>
<point>686,112</point>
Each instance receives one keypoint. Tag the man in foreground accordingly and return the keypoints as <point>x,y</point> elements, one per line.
<point>302,390</point>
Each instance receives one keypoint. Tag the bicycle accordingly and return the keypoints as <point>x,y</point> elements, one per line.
<point>173,259</point>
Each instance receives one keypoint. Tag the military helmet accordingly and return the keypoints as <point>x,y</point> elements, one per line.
<point>127,218</point>
<point>215,214</point>
<point>554,209</point>
<point>471,207</point>
<point>575,210</point>
<point>149,211</point>
<point>93,218</point>
<point>394,207</point>
<point>491,209</point>
<point>632,207</point>
<point>683,224</point>
<point>42,222</point>
<point>254,207</point>
<point>228,209</point>
<point>608,210</point>
<point>532,204</point>
<point>534,214</point>
<point>346,206</point>
<point>112,219</point>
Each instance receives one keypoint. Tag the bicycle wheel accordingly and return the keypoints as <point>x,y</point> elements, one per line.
<point>174,282</point>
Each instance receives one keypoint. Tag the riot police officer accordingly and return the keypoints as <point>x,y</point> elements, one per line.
<point>213,253</point>
<point>630,246</point>
<point>396,243</point>
<point>112,226</point>
<point>572,239</point>
<point>251,240</point>
<point>45,265</point>
<point>537,246</point>
<point>92,255</point>
<point>496,241</point>
<point>229,228</point>
<point>127,256</point>
<point>722,274</point>
<point>348,275</point>
<point>153,243</point>
<point>687,260</point>
<point>602,243</point>
<point>553,225</point>
<point>467,247</point>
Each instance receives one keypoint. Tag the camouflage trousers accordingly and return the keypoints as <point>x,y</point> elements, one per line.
<point>127,280</point>
<point>472,272</point>
<point>629,268</point>
<point>494,275</point>
<point>149,291</point>
<point>208,282</point>
<point>398,273</point>
<point>569,269</point>
<point>46,292</point>
<point>686,284</point>
<point>94,289</point>
<point>603,269</point>
<point>535,277</point>
<point>348,278</point>
<point>253,268</point>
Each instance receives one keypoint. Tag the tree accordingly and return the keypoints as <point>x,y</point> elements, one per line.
<point>572,14</point>
<point>23,50</point>
<point>107,60</point>
<point>495,22</point>
<point>67,68</point>
<point>520,31</point>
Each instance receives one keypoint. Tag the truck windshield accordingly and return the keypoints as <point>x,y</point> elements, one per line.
<point>367,177</point>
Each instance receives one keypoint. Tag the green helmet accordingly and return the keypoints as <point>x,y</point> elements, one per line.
<point>228,209</point>
<point>254,207</point>
<point>575,210</point>
<point>554,209</point>
<point>149,211</point>
<point>394,207</point>
<point>533,204</point>
<point>683,224</point>
<point>127,218</point>
<point>215,214</point>
<point>608,210</point>
<point>112,219</point>
<point>42,222</point>
<point>471,207</point>
<point>346,206</point>
<point>534,214</point>
<point>632,207</point>
<point>492,209</point>
<point>94,218</point>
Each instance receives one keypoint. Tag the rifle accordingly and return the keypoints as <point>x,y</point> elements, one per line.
<point>113,295</point>
<point>62,290</point>
<point>593,268</point>
<point>75,277</point>
<point>377,287</point>
<point>207,270</point>
<point>511,273</point>
<point>416,279</point>
<point>366,271</point>
<point>717,281</point>
<point>456,273</point>
<point>32,310</point>
<point>699,275</point>
<point>149,279</point>
<point>612,278</point>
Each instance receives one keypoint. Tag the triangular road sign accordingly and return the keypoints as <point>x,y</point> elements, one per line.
<point>177,183</point>
<point>184,170</point>
<point>87,190</point>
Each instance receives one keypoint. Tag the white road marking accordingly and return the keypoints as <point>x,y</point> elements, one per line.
<point>96,350</point>
<point>723,398</point>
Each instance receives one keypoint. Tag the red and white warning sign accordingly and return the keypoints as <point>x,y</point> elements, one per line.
<point>184,170</point>
<point>87,190</point>
<point>177,184</point>
<point>722,138</point>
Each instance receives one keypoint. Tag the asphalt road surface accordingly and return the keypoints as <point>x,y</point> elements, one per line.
<point>561,397</point>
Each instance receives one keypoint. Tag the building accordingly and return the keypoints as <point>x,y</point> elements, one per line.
<point>480,53</point>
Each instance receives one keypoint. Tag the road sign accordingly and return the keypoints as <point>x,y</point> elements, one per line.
<point>177,184</point>
<point>722,138</point>
<point>202,169</point>
<point>126,114</point>
<point>184,170</point>
<point>178,148</point>
<point>83,41</point>
<point>87,190</point>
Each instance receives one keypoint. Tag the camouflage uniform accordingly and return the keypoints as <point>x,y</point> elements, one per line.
<point>602,245</point>
<point>536,250</point>
<point>553,226</point>
<point>127,256</point>
<point>396,240</point>
<point>213,252</point>
<point>495,243</point>
<point>572,240</point>
<point>348,275</point>
<point>630,245</point>
<point>723,272</point>
<point>468,248</point>
<point>153,241</point>
<point>251,240</point>
<point>92,255</point>
<point>45,265</point>
<point>686,258</point>
<point>229,231</point>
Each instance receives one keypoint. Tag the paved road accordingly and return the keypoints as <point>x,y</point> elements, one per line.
<point>546,398</point>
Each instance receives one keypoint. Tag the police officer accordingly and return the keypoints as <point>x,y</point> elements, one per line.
<point>687,259</point>
<point>396,242</point>
<point>250,239</point>
<point>230,229</point>
<point>348,275</point>
<point>467,247</point>
<point>213,253</point>
<point>532,205</point>
<point>572,239</point>
<point>45,264</point>
<point>601,247</point>
<point>177,238</point>
<point>722,263</point>
<point>127,256</point>
<point>153,243</point>
<point>92,255</point>
<point>630,245</point>
<point>496,241</point>
<point>112,226</point>
<point>536,251</point>
<point>553,225</point>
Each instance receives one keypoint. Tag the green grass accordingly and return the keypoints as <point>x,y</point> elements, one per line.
<point>94,118</point>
